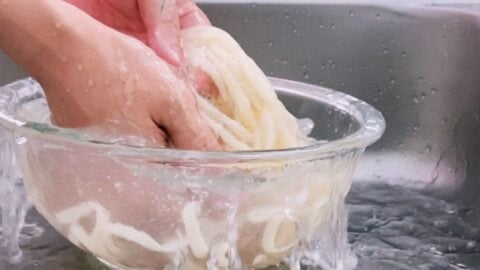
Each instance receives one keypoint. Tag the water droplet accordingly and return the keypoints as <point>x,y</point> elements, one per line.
<point>79,67</point>
<point>423,95</point>
<point>435,251</point>
<point>451,209</point>
<point>91,82</point>
<point>471,245</point>
<point>58,25</point>
<point>444,121</point>
<point>36,263</point>
<point>433,90</point>
<point>332,26</point>
<point>420,79</point>
<point>404,54</point>
<point>377,16</point>
<point>118,185</point>
<point>295,30</point>
<point>351,13</point>
<point>68,90</point>
<point>321,26</point>
<point>415,100</point>
<point>392,80</point>
<point>428,149</point>
<point>390,69</point>
<point>270,43</point>
<point>461,265</point>
<point>20,139</point>
<point>254,5</point>
<point>306,75</point>
<point>385,51</point>
<point>322,66</point>
<point>415,127</point>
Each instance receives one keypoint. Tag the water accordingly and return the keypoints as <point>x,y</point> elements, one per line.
<point>397,228</point>
<point>390,228</point>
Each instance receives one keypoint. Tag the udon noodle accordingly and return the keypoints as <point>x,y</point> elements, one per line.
<point>247,114</point>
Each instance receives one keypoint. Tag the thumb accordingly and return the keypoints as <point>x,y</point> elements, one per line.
<point>190,14</point>
<point>161,20</point>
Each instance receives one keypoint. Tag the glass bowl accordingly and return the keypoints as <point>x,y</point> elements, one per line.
<point>151,208</point>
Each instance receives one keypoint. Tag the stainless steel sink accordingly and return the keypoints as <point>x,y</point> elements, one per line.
<point>420,65</point>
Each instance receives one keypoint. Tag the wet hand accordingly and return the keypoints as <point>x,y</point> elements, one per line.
<point>94,76</point>
<point>157,23</point>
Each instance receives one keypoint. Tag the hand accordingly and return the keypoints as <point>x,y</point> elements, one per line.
<point>157,23</point>
<point>94,76</point>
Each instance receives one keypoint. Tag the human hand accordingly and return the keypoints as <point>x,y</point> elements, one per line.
<point>157,23</point>
<point>148,93</point>
<point>95,76</point>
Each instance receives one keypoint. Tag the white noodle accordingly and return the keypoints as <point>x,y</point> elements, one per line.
<point>272,231</point>
<point>246,97</point>
<point>193,232</point>
<point>263,214</point>
<point>220,253</point>
<point>101,240</point>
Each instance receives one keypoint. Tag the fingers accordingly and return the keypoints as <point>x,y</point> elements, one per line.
<point>161,20</point>
<point>175,109</point>
<point>204,84</point>
<point>189,131</point>
<point>190,14</point>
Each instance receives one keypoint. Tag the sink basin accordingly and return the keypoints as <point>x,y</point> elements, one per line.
<point>415,203</point>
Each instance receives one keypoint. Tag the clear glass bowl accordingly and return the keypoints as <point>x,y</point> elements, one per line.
<point>152,208</point>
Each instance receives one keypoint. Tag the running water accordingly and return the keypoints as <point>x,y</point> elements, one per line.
<point>13,202</point>
<point>390,228</point>
<point>399,228</point>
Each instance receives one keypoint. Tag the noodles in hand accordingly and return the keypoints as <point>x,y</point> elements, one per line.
<point>247,114</point>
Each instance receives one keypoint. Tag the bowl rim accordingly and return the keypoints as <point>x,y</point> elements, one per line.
<point>371,122</point>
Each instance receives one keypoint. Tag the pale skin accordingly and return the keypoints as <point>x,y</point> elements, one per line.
<point>96,76</point>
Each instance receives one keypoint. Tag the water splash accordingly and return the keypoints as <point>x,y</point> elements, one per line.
<point>13,202</point>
